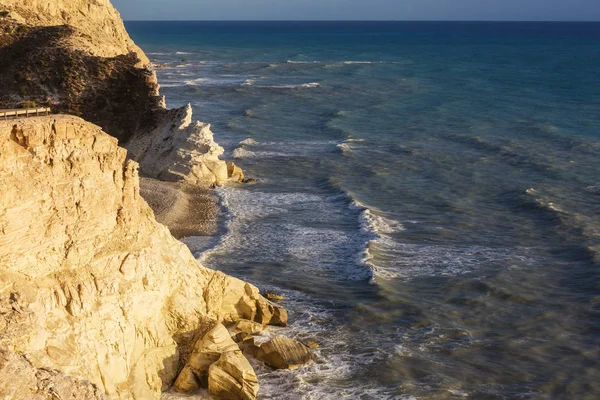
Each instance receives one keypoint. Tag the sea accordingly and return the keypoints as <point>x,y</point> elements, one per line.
<point>427,197</point>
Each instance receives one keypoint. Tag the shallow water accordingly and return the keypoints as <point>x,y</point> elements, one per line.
<point>426,197</point>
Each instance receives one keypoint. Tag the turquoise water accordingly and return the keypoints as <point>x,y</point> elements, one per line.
<point>426,197</point>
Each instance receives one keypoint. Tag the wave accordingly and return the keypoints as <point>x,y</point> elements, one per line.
<point>183,53</point>
<point>242,153</point>
<point>302,62</point>
<point>248,141</point>
<point>309,85</point>
<point>214,81</point>
<point>361,62</point>
<point>284,148</point>
<point>347,145</point>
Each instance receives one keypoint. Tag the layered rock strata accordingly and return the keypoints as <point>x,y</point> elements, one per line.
<point>101,31</point>
<point>92,285</point>
<point>76,57</point>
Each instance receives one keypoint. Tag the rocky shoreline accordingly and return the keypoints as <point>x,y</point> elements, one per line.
<point>98,300</point>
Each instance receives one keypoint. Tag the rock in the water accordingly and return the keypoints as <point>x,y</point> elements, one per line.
<point>232,377</point>
<point>234,172</point>
<point>274,297</point>
<point>207,350</point>
<point>284,353</point>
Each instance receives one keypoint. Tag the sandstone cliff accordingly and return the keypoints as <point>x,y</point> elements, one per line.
<point>76,57</point>
<point>100,30</point>
<point>90,284</point>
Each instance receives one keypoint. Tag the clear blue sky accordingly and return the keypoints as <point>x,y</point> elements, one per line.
<point>488,10</point>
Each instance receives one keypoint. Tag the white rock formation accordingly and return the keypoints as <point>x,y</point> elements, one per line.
<point>176,149</point>
<point>96,287</point>
<point>179,150</point>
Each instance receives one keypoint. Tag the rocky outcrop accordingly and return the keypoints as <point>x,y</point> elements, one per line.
<point>234,172</point>
<point>90,284</point>
<point>20,380</point>
<point>284,353</point>
<point>232,377</point>
<point>217,363</point>
<point>179,150</point>
<point>76,57</point>
<point>100,29</point>
<point>39,66</point>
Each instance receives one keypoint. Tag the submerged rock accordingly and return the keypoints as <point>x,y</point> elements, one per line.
<point>274,297</point>
<point>284,353</point>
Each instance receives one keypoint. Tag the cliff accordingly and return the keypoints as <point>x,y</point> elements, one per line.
<point>90,284</point>
<point>100,30</point>
<point>76,57</point>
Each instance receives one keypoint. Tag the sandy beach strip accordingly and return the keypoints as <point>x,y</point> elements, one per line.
<point>186,210</point>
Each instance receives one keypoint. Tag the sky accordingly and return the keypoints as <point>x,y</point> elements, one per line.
<point>465,10</point>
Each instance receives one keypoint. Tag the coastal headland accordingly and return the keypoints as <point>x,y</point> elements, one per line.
<point>98,300</point>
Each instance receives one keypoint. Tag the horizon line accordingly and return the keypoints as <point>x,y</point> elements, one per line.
<point>361,20</point>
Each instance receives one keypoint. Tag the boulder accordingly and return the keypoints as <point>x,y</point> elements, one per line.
<point>207,350</point>
<point>232,377</point>
<point>234,173</point>
<point>284,353</point>
<point>246,326</point>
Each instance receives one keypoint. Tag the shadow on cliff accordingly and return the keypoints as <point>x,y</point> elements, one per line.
<point>38,67</point>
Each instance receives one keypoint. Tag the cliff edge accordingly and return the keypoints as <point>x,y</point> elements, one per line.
<point>90,284</point>
<point>76,57</point>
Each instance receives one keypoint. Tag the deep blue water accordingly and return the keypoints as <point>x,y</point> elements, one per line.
<point>426,197</point>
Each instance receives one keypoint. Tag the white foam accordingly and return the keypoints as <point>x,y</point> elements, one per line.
<point>242,153</point>
<point>248,141</point>
<point>302,62</point>
<point>183,53</point>
<point>359,62</point>
<point>215,81</point>
<point>315,247</point>
<point>348,144</point>
<point>310,85</point>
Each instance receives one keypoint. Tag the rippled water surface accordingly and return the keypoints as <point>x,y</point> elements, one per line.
<point>427,197</point>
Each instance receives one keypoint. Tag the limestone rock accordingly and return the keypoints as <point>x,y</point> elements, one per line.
<point>274,297</point>
<point>102,32</point>
<point>234,173</point>
<point>77,56</point>
<point>91,284</point>
<point>248,345</point>
<point>284,353</point>
<point>246,326</point>
<point>232,377</point>
<point>179,150</point>
<point>19,380</point>
<point>207,350</point>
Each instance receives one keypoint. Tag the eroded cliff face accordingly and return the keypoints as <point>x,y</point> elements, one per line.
<point>90,283</point>
<point>100,29</point>
<point>76,57</point>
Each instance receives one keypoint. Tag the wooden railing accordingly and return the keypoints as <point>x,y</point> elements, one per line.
<point>24,112</point>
